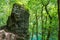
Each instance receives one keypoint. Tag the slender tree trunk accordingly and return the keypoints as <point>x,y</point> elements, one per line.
<point>42,23</point>
<point>36,25</point>
<point>59,19</point>
<point>46,26</point>
<point>32,32</point>
<point>48,15</point>
<point>48,36</point>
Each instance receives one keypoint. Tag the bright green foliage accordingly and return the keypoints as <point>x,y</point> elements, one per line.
<point>35,7</point>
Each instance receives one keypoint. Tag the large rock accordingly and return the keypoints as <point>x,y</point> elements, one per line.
<point>7,35</point>
<point>18,22</point>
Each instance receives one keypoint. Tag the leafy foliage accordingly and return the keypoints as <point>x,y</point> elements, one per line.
<point>35,7</point>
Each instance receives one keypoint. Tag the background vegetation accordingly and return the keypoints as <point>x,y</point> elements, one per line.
<point>43,21</point>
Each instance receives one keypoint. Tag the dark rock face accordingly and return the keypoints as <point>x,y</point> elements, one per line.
<point>18,22</point>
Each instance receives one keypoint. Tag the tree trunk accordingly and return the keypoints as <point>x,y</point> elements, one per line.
<point>48,36</point>
<point>36,25</point>
<point>32,32</point>
<point>59,19</point>
<point>42,23</point>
